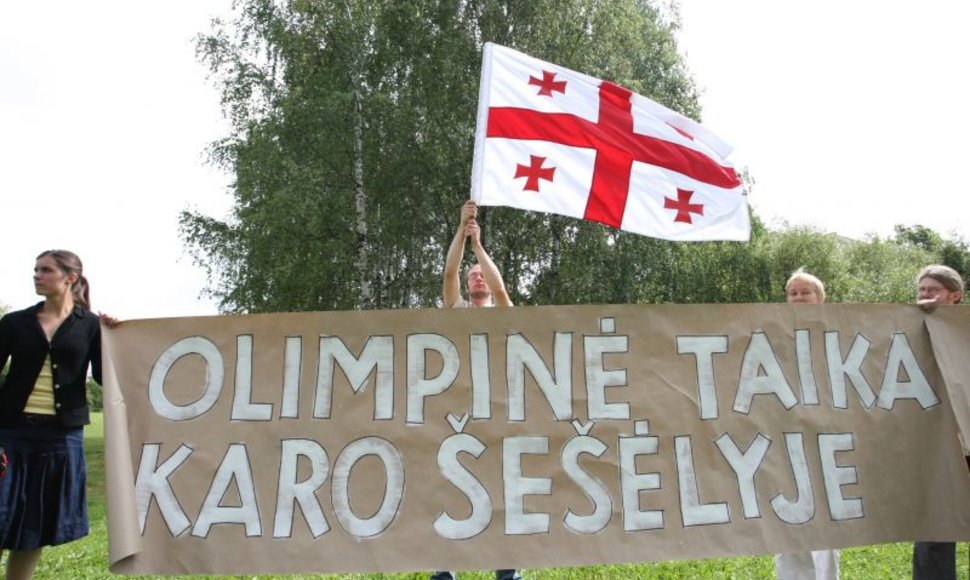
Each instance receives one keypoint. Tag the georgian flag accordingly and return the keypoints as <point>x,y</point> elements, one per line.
<point>554,140</point>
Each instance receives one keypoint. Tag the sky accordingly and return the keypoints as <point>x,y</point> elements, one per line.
<point>851,117</point>
<point>105,115</point>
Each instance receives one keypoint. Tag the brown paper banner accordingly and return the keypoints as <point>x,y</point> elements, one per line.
<point>531,436</point>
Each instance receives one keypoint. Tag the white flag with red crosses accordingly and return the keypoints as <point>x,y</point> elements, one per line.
<point>554,140</point>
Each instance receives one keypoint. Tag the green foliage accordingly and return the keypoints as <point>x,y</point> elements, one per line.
<point>298,78</point>
<point>867,271</point>
<point>883,271</point>
<point>95,396</point>
<point>952,252</point>
<point>920,237</point>
<point>796,247</point>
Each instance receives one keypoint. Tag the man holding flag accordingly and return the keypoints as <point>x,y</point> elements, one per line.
<point>484,281</point>
<point>485,288</point>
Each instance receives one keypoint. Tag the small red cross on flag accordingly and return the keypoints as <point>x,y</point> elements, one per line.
<point>619,158</point>
<point>534,172</point>
<point>548,84</point>
<point>683,206</point>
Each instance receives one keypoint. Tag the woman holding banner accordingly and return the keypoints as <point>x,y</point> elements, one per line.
<point>804,288</point>
<point>43,410</point>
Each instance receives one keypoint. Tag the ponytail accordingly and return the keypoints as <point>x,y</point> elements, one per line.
<point>82,292</point>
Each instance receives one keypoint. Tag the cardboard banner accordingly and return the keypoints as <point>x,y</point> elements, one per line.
<point>531,436</point>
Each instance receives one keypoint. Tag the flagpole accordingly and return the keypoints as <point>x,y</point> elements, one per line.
<point>478,162</point>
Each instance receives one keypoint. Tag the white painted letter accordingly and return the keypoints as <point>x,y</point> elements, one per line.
<point>213,382</point>
<point>447,526</point>
<point>419,386</point>
<point>152,481</point>
<point>243,409</point>
<point>901,358</point>
<point>517,486</point>
<point>235,466</point>
<point>745,466</point>
<point>694,512</point>
<point>758,356</point>
<point>806,374</point>
<point>377,356</point>
<point>292,365</point>
<point>291,492</point>
<point>592,487</point>
<point>836,476</point>
<point>393,488</point>
<point>704,348</point>
<point>558,391</point>
<point>598,378</point>
<point>481,379</point>
<point>632,483</point>
<point>850,367</point>
<point>803,508</point>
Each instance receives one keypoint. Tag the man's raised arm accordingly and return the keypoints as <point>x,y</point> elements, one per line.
<point>489,270</point>
<point>451,291</point>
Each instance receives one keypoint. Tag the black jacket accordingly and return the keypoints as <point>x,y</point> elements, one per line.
<point>76,344</point>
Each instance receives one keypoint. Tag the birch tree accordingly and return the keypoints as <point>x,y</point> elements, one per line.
<point>351,146</point>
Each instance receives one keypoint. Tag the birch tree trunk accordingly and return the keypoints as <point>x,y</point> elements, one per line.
<point>360,202</point>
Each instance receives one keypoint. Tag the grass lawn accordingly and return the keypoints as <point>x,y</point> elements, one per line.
<point>88,558</point>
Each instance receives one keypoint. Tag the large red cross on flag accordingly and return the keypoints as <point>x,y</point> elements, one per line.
<point>554,140</point>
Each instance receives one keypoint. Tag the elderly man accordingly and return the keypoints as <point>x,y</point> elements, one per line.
<point>936,285</point>
<point>485,288</point>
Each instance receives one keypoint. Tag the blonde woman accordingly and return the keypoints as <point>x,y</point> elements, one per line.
<point>804,288</point>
